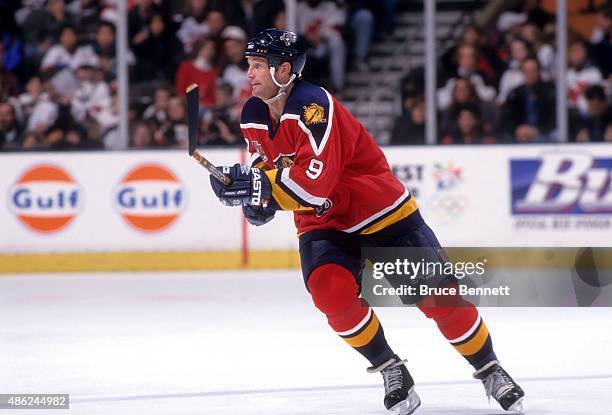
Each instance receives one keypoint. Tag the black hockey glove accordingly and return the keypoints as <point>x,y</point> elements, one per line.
<point>258,215</point>
<point>250,186</point>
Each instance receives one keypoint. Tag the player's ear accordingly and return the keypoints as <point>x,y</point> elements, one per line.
<point>285,69</point>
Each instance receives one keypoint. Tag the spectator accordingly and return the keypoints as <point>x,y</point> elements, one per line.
<point>11,130</point>
<point>194,26</point>
<point>543,50</point>
<point>32,94</point>
<point>157,53</point>
<point>200,70</point>
<point>32,141</point>
<point>536,13</point>
<point>387,16</point>
<point>412,88</point>
<point>157,111</point>
<point>321,24</point>
<point>138,21</point>
<point>252,15</point>
<point>66,54</point>
<point>72,139</point>
<point>66,134</point>
<point>280,20</point>
<point>11,51</point>
<point>109,13</point>
<point>8,80</point>
<point>409,128</point>
<point>603,24</point>
<point>142,136</point>
<point>580,74</point>
<point>216,21</point>
<point>91,103</point>
<point>45,110</point>
<point>222,123</point>
<point>467,57</point>
<point>104,47</point>
<point>509,25</point>
<point>488,62</point>
<point>464,94</point>
<point>602,40</point>
<point>529,111</point>
<point>235,65</point>
<point>596,124</point>
<point>173,133</point>
<point>42,28</point>
<point>192,30</point>
<point>361,22</point>
<point>470,127</point>
<point>513,76</point>
<point>86,14</point>
<point>109,123</point>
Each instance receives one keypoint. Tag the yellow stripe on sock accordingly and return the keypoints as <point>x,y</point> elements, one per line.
<point>474,345</point>
<point>366,335</point>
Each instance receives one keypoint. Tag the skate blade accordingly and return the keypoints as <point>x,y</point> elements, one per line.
<point>518,407</point>
<point>407,406</point>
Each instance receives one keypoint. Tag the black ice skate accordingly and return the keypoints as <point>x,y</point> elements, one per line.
<point>498,384</point>
<point>400,396</point>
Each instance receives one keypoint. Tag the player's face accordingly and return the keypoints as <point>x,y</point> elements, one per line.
<point>260,78</point>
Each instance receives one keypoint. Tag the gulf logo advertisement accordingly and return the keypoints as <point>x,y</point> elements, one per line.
<point>46,198</point>
<point>150,198</point>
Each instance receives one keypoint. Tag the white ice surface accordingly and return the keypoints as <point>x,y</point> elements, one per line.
<point>252,343</point>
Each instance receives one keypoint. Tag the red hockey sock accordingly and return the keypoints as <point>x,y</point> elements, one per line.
<point>335,292</point>
<point>462,325</point>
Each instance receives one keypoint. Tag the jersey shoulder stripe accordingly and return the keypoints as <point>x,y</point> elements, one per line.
<point>312,108</point>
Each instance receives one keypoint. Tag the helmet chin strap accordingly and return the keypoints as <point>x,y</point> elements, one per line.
<point>281,87</point>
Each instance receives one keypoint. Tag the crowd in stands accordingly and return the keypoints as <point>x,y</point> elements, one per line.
<point>58,72</point>
<point>56,75</point>
<point>497,84</point>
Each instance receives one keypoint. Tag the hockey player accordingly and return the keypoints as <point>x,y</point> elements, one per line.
<point>311,156</point>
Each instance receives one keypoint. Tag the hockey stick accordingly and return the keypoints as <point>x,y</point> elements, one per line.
<point>193,109</point>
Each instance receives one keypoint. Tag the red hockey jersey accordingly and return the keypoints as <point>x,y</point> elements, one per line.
<point>323,164</point>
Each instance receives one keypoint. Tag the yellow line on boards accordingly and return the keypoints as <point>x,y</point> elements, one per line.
<point>281,259</point>
<point>146,261</point>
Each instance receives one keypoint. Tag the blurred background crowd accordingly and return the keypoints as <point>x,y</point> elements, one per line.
<point>497,82</point>
<point>496,78</point>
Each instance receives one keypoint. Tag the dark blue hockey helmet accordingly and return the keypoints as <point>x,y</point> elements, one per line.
<point>278,46</point>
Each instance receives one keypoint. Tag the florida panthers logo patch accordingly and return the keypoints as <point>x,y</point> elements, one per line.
<point>282,162</point>
<point>288,38</point>
<point>324,208</point>
<point>314,114</point>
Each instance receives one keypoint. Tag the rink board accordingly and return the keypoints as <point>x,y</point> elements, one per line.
<point>134,209</point>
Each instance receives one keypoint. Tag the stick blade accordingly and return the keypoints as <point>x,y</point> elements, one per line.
<point>193,110</point>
